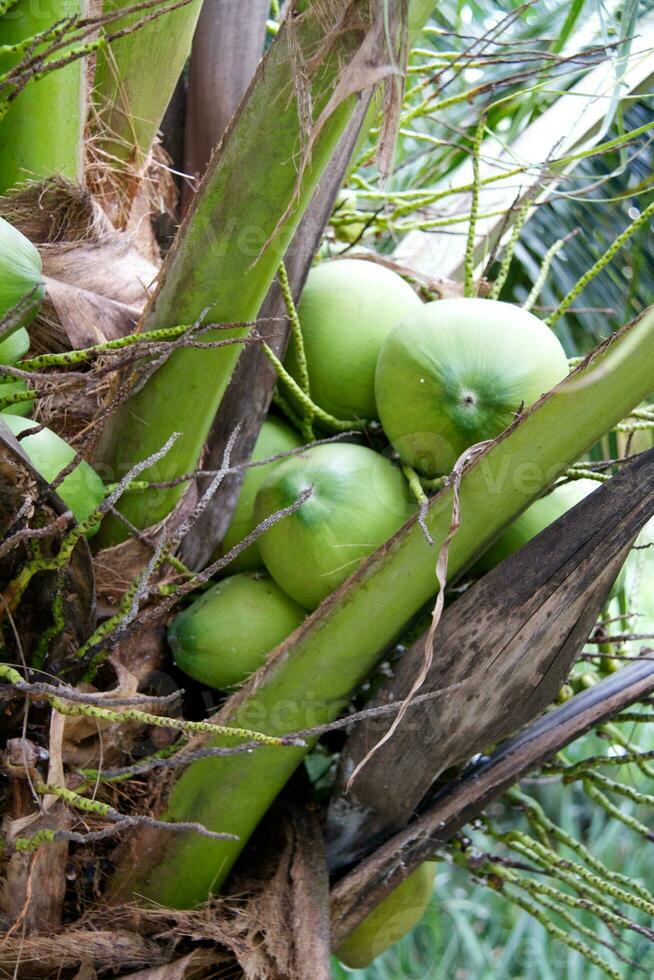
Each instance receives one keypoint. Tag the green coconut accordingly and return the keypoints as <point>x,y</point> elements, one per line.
<point>20,275</point>
<point>359,499</point>
<point>15,346</point>
<point>82,490</point>
<point>398,914</point>
<point>275,437</point>
<point>225,635</point>
<point>535,519</point>
<point>13,387</point>
<point>456,372</point>
<point>346,311</point>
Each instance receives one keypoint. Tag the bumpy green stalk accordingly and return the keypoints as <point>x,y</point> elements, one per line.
<point>310,675</point>
<point>135,78</point>
<point>41,133</point>
<point>226,256</point>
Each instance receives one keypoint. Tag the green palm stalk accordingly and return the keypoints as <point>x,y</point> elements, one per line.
<point>228,250</point>
<point>41,133</point>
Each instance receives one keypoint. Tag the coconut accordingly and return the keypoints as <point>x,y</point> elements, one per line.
<point>358,500</point>
<point>275,437</point>
<point>398,914</point>
<point>456,372</point>
<point>20,274</point>
<point>346,311</point>
<point>15,346</point>
<point>535,519</point>
<point>225,635</point>
<point>82,490</point>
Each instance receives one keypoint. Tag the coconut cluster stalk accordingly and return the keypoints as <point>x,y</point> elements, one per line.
<point>229,247</point>
<point>41,133</point>
<point>134,80</point>
<point>308,678</point>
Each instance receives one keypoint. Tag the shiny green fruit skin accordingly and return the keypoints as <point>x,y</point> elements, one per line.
<point>535,519</point>
<point>82,490</point>
<point>225,635</point>
<point>15,346</point>
<point>359,500</point>
<point>393,918</point>
<point>455,373</point>
<point>20,273</point>
<point>275,437</point>
<point>11,388</point>
<point>347,309</point>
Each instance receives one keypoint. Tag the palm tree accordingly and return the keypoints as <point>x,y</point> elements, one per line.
<point>161,372</point>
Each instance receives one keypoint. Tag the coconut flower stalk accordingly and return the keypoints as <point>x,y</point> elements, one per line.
<point>230,245</point>
<point>41,132</point>
<point>308,678</point>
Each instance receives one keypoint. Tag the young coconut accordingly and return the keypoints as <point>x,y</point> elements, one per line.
<point>15,346</point>
<point>20,276</point>
<point>535,519</point>
<point>275,437</point>
<point>82,490</point>
<point>398,914</point>
<point>346,311</point>
<point>225,635</point>
<point>456,372</point>
<point>359,499</point>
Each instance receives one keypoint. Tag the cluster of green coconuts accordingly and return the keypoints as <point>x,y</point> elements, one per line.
<point>22,288</point>
<point>439,377</point>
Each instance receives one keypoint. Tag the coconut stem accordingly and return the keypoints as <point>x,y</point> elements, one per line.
<point>310,408</point>
<point>543,272</point>
<point>507,256</point>
<point>469,281</point>
<point>603,261</point>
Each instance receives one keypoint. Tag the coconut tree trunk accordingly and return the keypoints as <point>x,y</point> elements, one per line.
<point>227,48</point>
<point>42,132</point>
<point>307,679</point>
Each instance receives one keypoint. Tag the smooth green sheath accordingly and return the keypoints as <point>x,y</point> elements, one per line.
<point>20,274</point>
<point>398,914</point>
<point>359,499</point>
<point>135,77</point>
<point>224,636</point>
<point>226,255</point>
<point>308,679</point>
<point>42,132</point>
<point>347,309</point>
<point>275,437</point>
<point>82,490</point>
<point>456,372</point>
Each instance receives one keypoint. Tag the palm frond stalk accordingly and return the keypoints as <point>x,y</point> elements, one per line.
<point>307,679</point>
<point>42,130</point>
<point>231,243</point>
